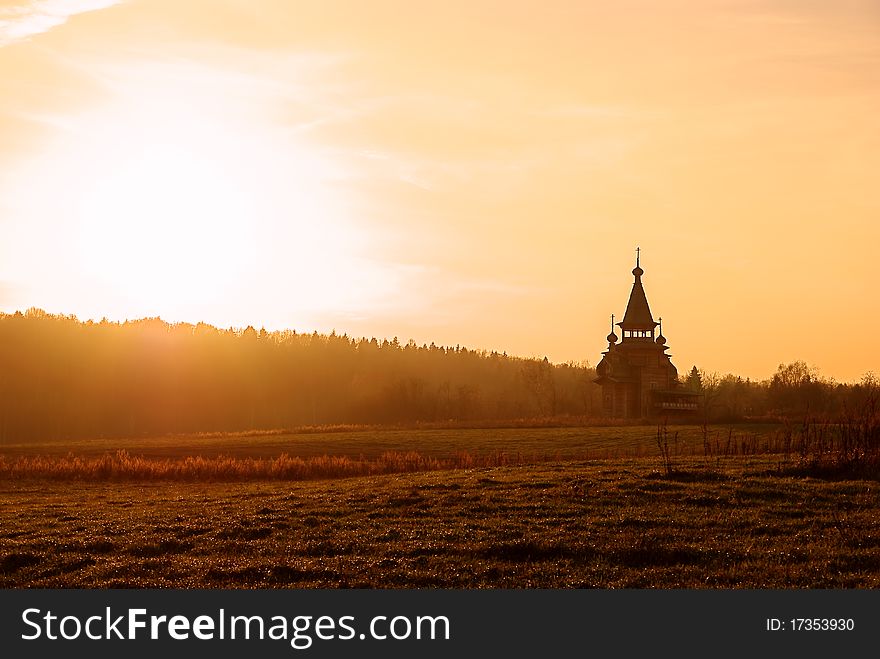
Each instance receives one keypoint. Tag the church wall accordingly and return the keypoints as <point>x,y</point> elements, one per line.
<point>608,400</point>
<point>620,401</point>
<point>633,408</point>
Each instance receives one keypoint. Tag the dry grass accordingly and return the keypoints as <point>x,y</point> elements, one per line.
<point>609,524</point>
<point>849,447</point>
<point>122,466</point>
<point>678,507</point>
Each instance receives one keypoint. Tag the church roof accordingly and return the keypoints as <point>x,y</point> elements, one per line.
<point>638,313</point>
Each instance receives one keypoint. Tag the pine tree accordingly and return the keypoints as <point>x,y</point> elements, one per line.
<point>694,380</point>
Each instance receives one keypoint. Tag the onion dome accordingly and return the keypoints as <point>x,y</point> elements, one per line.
<point>661,340</point>
<point>612,337</point>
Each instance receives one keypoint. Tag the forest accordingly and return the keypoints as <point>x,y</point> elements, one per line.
<point>65,378</point>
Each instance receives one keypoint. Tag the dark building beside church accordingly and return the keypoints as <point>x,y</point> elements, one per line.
<point>637,377</point>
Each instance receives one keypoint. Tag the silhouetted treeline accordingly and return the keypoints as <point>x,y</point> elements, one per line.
<point>795,391</point>
<point>63,378</point>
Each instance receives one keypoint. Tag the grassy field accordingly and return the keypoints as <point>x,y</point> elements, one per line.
<point>614,520</point>
<point>569,524</point>
<point>613,441</point>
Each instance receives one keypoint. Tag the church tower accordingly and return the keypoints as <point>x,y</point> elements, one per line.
<point>637,376</point>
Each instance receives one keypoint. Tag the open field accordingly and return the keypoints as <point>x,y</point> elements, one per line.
<point>562,442</point>
<point>542,507</point>
<point>569,524</point>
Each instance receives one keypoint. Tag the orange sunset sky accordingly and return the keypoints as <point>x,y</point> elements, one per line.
<point>475,173</point>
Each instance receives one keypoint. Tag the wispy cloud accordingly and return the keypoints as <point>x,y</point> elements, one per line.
<point>26,19</point>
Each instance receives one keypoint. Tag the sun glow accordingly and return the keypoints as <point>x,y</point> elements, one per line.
<point>167,223</point>
<point>178,209</point>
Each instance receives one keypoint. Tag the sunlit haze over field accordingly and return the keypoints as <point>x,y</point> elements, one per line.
<point>475,173</point>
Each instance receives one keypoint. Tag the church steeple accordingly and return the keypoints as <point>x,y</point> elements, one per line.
<point>637,320</point>
<point>637,376</point>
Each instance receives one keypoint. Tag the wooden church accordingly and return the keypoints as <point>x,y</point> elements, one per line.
<point>637,376</point>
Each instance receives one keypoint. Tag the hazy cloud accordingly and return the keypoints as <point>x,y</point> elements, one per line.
<point>22,20</point>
